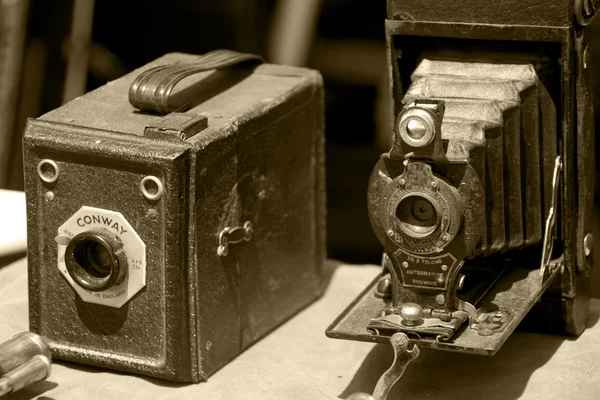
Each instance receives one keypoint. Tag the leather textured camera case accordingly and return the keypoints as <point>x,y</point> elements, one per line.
<point>247,153</point>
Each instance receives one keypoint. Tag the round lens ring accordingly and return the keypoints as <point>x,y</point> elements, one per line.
<point>92,260</point>
<point>48,171</point>
<point>417,215</point>
<point>416,127</point>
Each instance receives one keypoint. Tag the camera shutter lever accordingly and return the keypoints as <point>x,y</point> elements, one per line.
<point>402,357</point>
<point>234,235</point>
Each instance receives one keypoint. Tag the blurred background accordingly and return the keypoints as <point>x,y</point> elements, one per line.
<point>64,48</point>
<point>52,52</point>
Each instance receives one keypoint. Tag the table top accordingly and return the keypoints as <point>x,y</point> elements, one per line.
<point>297,361</point>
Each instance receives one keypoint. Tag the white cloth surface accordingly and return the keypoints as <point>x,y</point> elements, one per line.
<point>13,235</point>
<point>297,361</point>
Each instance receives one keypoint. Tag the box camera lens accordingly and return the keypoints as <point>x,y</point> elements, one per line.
<point>92,261</point>
<point>94,258</point>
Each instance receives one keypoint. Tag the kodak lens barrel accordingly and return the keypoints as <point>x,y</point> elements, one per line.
<point>417,215</point>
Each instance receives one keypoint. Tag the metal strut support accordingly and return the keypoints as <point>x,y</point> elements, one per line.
<point>402,356</point>
<point>546,266</point>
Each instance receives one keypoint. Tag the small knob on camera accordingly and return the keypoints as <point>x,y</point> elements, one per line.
<point>384,288</point>
<point>411,314</point>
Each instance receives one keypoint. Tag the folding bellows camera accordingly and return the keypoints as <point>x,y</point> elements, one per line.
<point>483,204</point>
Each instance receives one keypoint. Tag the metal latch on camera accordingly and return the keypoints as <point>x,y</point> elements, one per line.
<point>177,126</point>
<point>234,235</point>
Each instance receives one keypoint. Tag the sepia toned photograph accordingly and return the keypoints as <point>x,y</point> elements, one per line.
<point>299,199</point>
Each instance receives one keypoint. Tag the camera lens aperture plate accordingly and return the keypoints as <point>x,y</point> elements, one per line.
<point>100,232</point>
<point>421,212</point>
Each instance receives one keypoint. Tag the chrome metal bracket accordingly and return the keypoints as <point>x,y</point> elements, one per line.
<point>402,357</point>
<point>550,231</point>
<point>233,235</point>
<point>490,323</point>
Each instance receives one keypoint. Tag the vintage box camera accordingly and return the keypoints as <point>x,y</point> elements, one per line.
<point>483,205</point>
<point>164,242</point>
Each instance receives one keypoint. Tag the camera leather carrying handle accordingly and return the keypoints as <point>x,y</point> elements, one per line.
<point>152,89</point>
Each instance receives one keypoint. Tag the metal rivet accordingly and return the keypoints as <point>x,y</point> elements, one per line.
<point>440,299</point>
<point>249,230</point>
<point>588,244</point>
<point>444,267</point>
<point>390,232</point>
<point>402,182</point>
<point>152,188</point>
<point>446,237</point>
<point>498,315</point>
<point>389,310</point>
<point>404,264</point>
<point>49,196</point>
<point>48,171</point>
<point>434,185</point>
<point>222,251</point>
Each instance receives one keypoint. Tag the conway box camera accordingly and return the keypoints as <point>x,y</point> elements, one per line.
<point>483,205</point>
<point>176,215</point>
